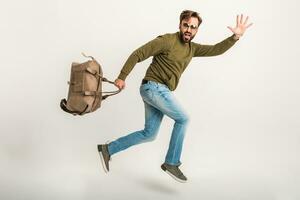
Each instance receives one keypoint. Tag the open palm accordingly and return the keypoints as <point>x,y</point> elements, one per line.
<point>241,26</point>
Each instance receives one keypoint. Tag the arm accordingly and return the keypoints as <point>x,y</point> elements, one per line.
<point>217,49</point>
<point>214,50</point>
<point>151,48</point>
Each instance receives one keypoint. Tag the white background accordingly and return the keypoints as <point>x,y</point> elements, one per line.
<point>243,139</point>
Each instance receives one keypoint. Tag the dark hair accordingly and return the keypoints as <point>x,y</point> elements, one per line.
<point>187,14</point>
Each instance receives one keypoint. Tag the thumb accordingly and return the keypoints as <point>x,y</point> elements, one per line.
<point>230,28</point>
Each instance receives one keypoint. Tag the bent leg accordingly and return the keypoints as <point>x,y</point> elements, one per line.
<point>164,100</point>
<point>153,118</point>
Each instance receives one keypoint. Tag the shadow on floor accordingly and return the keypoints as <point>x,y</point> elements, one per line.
<point>158,186</point>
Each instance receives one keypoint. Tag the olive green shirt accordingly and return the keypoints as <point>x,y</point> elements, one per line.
<point>171,56</point>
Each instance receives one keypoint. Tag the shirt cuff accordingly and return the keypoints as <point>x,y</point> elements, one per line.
<point>122,76</point>
<point>232,38</point>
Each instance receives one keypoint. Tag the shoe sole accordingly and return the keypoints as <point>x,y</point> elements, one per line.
<point>103,162</point>
<point>173,176</point>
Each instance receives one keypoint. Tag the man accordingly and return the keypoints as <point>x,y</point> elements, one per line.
<point>171,55</point>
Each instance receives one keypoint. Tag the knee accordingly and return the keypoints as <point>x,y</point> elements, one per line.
<point>183,119</point>
<point>149,134</point>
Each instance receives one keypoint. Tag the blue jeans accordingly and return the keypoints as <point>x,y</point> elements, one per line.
<point>158,101</point>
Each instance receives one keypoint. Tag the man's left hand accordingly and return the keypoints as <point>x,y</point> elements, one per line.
<point>241,26</point>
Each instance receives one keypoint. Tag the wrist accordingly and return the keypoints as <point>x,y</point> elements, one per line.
<point>122,76</point>
<point>237,36</point>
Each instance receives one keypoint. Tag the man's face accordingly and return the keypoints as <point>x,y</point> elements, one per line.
<point>188,29</point>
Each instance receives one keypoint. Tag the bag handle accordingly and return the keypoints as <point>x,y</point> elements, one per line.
<point>111,82</point>
<point>88,56</point>
<point>103,79</point>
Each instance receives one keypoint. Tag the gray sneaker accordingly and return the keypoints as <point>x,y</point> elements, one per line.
<point>174,172</point>
<point>104,155</point>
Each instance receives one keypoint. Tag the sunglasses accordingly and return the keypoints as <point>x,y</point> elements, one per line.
<point>187,26</point>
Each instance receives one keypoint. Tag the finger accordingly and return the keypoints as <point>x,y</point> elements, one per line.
<point>237,20</point>
<point>249,25</point>
<point>241,21</point>
<point>121,85</point>
<point>246,20</point>
<point>230,28</point>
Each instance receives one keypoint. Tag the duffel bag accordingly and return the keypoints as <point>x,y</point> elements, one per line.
<point>85,88</point>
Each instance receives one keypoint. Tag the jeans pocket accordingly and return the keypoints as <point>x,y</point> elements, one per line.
<point>165,95</point>
<point>146,92</point>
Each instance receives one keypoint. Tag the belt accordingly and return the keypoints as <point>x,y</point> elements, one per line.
<point>144,81</point>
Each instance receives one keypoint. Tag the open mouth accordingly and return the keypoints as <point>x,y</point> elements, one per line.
<point>187,35</point>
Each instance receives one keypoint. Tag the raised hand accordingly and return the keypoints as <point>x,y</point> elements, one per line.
<point>241,26</point>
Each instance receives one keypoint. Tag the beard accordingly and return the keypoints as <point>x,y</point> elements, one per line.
<point>186,36</point>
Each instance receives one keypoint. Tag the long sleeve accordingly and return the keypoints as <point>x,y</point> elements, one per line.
<point>152,48</point>
<point>214,50</point>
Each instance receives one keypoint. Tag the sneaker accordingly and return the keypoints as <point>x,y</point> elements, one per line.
<point>174,172</point>
<point>104,155</point>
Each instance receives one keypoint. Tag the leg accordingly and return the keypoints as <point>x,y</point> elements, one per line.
<point>163,100</point>
<point>153,118</point>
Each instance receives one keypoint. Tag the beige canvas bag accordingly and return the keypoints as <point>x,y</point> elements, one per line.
<point>85,88</point>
